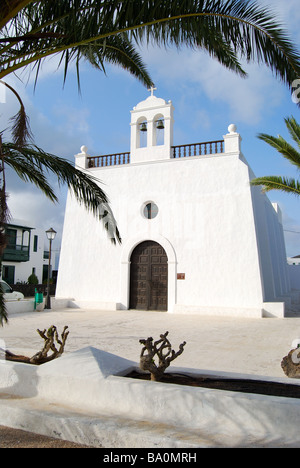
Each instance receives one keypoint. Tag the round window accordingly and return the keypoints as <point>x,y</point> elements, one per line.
<point>150,210</point>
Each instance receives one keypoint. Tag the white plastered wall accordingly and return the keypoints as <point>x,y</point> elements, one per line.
<point>206,227</point>
<point>223,234</point>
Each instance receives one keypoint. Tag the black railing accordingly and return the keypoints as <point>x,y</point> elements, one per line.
<point>16,253</point>
<point>198,149</point>
<point>107,160</point>
<point>181,151</point>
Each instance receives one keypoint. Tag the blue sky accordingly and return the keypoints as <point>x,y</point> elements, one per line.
<point>206,98</point>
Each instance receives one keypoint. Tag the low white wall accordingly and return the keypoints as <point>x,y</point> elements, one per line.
<point>93,305</point>
<point>27,305</point>
<point>274,309</point>
<point>18,307</point>
<point>219,311</point>
<point>90,380</point>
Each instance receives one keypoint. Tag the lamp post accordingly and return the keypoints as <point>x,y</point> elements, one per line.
<point>51,236</point>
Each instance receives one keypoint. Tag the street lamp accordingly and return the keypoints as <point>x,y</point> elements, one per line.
<point>51,236</point>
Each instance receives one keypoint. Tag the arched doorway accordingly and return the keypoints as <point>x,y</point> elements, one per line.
<point>149,277</point>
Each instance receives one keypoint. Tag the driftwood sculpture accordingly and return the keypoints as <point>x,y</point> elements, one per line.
<point>50,336</point>
<point>161,349</point>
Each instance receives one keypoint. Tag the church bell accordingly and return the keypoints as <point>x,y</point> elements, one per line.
<point>143,127</point>
<point>160,124</point>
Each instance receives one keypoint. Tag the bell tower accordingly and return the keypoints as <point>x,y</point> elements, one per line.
<point>151,129</point>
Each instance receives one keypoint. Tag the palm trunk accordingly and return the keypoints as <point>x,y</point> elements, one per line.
<point>3,220</point>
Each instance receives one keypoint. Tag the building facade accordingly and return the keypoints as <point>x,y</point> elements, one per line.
<point>24,254</point>
<point>196,236</point>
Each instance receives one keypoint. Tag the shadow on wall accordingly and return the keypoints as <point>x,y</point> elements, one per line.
<point>18,379</point>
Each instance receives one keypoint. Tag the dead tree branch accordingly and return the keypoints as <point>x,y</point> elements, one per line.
<point>52,342</point>
<point>161,349</point>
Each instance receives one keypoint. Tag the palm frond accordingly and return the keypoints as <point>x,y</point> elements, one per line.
<point>227,29</point>
<point>252,31</point>
<point>116,50</point>
<point>21,132</point>
<point>9,8</point>
<point>294,129</point>
<point>283,147</point>
<point>32,163</point>
<point>63,28</point>
<point>283,184</point>
<point>28,172</point>
<point>3,309</point>
<point>20,127</point>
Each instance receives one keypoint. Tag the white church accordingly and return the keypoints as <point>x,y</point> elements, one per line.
<point>197,238</point>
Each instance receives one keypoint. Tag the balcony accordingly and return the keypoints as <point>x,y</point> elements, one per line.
<point>198,149</point>
<point>181,151</point>
<point>16,253</point>
<point>116,159</point>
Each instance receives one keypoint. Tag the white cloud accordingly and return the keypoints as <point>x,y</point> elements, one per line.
<point>29,205</point>
<point>73,121</point>
<point>247,99</point>
<point>47,69</point>
<point>288,14</point>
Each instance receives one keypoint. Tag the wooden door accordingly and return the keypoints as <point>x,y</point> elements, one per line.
<point>149,277</point>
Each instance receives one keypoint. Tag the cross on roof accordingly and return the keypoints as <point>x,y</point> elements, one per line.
<point>151,90</point>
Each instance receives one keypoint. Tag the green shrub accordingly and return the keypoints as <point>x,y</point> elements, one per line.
<point>32,279</point>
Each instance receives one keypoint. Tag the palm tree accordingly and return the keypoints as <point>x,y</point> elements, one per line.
<point>109,31</point>
<point>32,164</point>
<point>284,184</point>
<point>101,31</point>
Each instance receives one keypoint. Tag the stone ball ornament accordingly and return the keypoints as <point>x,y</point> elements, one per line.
<point>232,128</point>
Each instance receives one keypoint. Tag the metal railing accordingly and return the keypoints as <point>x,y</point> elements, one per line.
<point>198,149</point>
<point>181,151</point>
<point>16,253</point>
<point>116,159</point>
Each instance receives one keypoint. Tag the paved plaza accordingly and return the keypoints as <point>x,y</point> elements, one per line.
<point>253,346</point>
